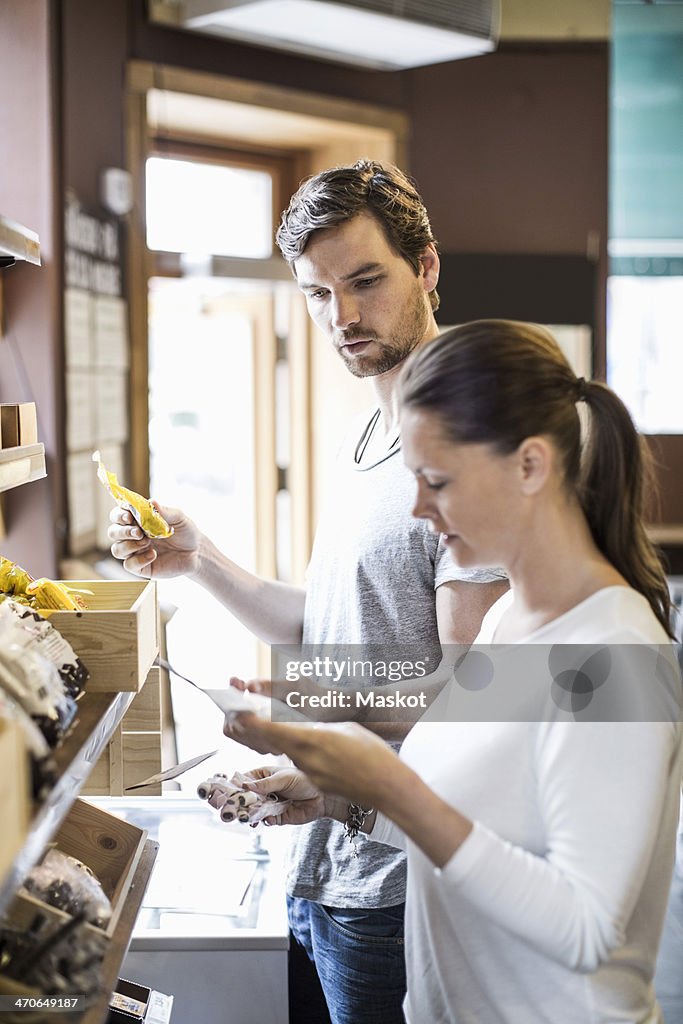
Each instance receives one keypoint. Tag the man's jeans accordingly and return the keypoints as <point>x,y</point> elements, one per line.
<point>669,975</point>
<point>358,955</point>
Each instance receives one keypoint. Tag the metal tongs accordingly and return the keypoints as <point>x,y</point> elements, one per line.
<point>172,773</point>
<point>226,700</point>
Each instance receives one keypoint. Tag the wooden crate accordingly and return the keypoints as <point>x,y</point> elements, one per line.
<point>117,636</point>
<point>108,845</point>
<point>18,424</point>
<point>14,792</point>
<point>144,713</point>
<point>134,751</point>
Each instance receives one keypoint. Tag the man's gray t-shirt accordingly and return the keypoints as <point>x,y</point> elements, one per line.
<point>371,581</point>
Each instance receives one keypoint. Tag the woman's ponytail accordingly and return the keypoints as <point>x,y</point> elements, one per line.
<point>615,480</point>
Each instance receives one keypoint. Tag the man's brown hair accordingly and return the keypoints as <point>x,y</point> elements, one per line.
<point>341,193</point>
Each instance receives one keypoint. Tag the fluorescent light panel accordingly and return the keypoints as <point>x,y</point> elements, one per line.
<point>345,34</point>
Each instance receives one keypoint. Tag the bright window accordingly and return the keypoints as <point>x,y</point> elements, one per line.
<point>645,349</point>
<point>208,209</point>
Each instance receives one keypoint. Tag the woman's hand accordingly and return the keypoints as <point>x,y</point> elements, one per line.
<point>305,802</point>
<point>162,558</point>
<point>345,760</point>
<point>349,762</point>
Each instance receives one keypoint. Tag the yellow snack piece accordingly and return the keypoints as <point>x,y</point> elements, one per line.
<point>148,519</point>
<point>50,595</point>
<point>13,579</point>
<point>43,595</point>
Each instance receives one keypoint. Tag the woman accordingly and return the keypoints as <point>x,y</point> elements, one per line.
<point>540,853</point>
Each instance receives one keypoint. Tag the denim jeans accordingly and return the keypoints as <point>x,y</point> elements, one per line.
<point>669,974</point>
<point>358,957</point>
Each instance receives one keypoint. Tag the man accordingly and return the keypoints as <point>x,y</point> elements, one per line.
<point>362,251</point>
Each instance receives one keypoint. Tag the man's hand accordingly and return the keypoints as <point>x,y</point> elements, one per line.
<point>279,690</point>
<point>243,727</point>
<point>162,558</point>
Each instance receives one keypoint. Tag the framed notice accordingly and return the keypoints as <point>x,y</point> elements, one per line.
<point>80,412</point>
<point>78,327</point>
<point>111,333</point>
<point>97,361</point>
<point>81,482</point>
<point>111,407</point>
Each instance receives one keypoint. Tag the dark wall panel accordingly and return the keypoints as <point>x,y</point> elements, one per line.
<point>95,50</point>
<point>544,289</point>
<point>510,151</point>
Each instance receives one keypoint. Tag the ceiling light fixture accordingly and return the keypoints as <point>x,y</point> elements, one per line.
<point>381,34</point>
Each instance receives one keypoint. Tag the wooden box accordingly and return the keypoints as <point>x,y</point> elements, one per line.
<point>134,751</point>
<point>110,847</point>
<point>14,792</point>
<point>18,424</point>
<point>117,636</point>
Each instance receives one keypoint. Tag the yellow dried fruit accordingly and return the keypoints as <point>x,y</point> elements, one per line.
<point>151,522</point>
<point>53,596</point>
<point>43,595</point>
<point>13,579</point>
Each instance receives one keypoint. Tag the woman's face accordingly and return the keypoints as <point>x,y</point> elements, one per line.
<point>468,492</point>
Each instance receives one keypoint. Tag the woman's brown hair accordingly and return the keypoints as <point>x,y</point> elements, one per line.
<point>499,382</point>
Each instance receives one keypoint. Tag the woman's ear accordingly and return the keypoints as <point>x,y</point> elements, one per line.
<point>534,458</point>
<point>430,267</point>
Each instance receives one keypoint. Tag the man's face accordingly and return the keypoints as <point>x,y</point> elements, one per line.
<point>365,297</point>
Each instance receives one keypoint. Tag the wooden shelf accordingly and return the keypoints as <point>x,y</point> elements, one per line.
<point>117,947</point>
<point>18,243</point>
<point>98,717</point>
<point>99,714</point>
<point>21,465</point>
<point>666,533</point>
<point>97,1014</point>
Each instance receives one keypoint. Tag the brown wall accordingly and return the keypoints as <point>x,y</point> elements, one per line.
<point>667,450</point>
<point>511,153</point>
<point>30,357</point>
<point>94,51</point>
<point>511,150</point>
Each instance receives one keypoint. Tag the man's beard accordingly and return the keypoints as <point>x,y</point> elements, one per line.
<point>403,341</point>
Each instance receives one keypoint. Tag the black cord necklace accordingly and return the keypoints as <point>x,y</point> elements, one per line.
<point>365,437</point>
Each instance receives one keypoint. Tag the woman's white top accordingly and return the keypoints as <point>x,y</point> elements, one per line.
<point>551,910</point>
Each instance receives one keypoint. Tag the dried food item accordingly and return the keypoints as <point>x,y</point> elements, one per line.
<point>13,579</point>
<point>52,960</point>
<point>68,884</point>
<point>43,768</point>
<point>50,643</point>
<point>31,679</point>
<point>42,594</point>
<point>236,803</point>
<point>150,521</point>
<point>51,595</point>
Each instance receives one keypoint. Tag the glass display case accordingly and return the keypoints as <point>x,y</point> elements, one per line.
<point>212,929</point>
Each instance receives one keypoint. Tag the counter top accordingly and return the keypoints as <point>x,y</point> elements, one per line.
<point>215,885</point>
